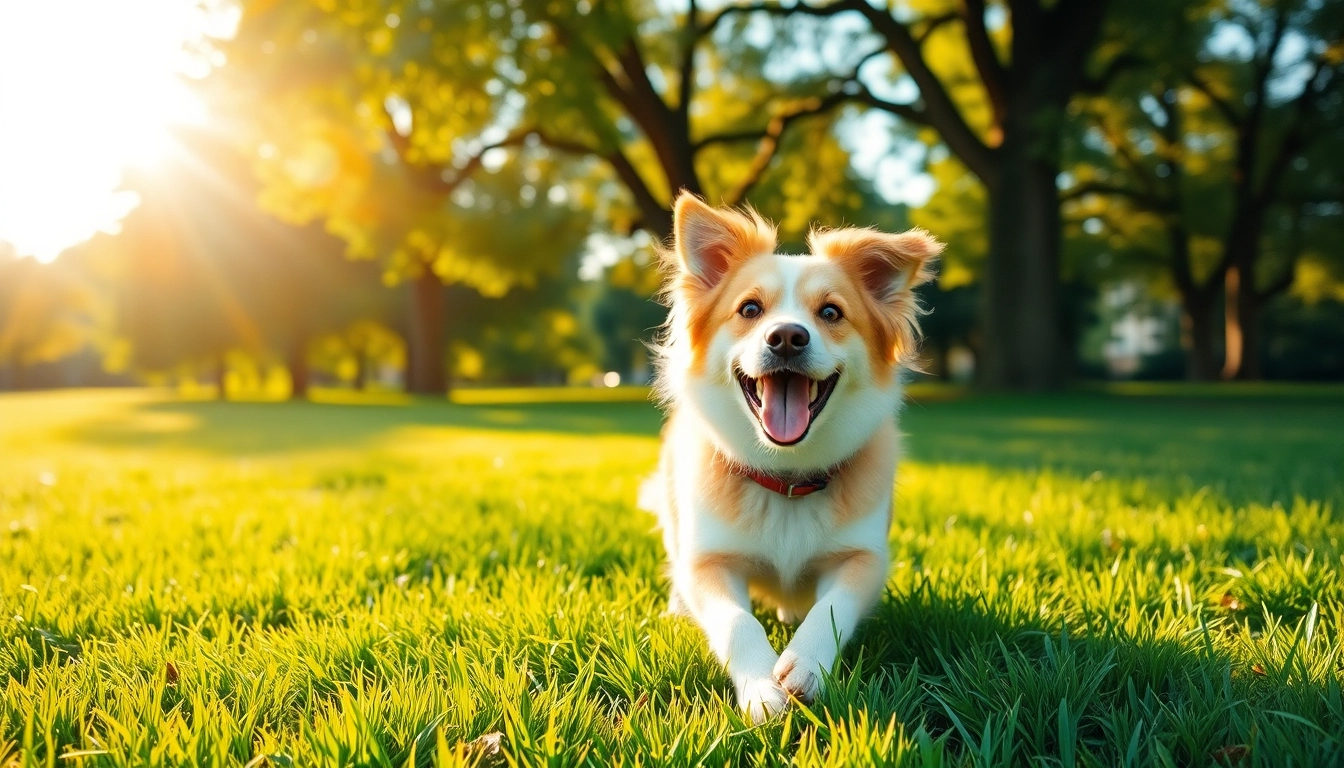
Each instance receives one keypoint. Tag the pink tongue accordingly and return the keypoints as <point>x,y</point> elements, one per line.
<point>784,400</point>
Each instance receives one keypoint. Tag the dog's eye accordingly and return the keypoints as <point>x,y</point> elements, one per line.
<point>831,313</point>
<point>749,310</point>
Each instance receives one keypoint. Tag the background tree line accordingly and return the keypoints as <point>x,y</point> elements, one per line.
<point>471,189</point>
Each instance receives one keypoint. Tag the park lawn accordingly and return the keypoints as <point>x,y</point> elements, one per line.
<point>1092,579</point>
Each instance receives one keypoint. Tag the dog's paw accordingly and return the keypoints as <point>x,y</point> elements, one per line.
<point>760,699</point>
<point>798,676</point>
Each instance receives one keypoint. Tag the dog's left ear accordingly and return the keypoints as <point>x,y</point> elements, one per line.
<point>889,265</point>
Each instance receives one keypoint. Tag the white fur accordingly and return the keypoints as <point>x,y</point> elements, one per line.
<point>787,534</point>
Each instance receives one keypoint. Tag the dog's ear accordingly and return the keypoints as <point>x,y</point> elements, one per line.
<point>709,241</point>
<point>888,265</point>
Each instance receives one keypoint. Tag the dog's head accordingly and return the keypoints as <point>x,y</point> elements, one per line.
<point>791,361</point>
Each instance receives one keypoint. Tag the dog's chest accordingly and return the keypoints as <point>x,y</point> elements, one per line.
<point>785,536</point>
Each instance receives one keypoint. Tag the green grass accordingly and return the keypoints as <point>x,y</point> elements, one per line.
<point>1091,579</point>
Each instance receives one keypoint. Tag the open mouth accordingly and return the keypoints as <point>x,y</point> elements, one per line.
<point>786,402</point>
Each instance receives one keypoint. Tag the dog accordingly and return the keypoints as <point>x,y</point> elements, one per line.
<point>781,376</point>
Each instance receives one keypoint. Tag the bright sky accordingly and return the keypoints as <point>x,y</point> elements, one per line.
<point>86,88</point>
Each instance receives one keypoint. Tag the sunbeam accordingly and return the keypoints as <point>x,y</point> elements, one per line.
<point>88,89</point>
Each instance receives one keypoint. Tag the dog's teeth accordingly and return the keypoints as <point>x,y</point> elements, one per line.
<point>760,390</point>
<point>812,392</point>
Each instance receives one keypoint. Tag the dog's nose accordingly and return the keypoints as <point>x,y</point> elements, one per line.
<point>787,339</point>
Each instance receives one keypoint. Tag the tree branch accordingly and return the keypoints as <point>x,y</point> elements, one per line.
<point>1284,280</point>
<point>1097,86</point>
<point>433,178</point>
<point>655,217</point>
<point>903,111</point>
<point>1122,151</point>
<point>631,88</point>
<point>982,53</point>
<point>1224,106</point>
<point>841,88</point>
<point>939,110</point>
<point>1280,284</point>
<point>933,24</point>
<point>690,36</point>
<point>1148,200</point>
<point>774,9</point>
<point>1296,139</point>
<point>770,141</point>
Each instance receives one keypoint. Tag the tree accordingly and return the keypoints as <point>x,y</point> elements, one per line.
<point>201,271</point>
<point>626,83</point>
<point>1230,149</point>
<point>1272,133</point>
<point>406,105</point>
<point>996,98</point>
<point>47,312</point>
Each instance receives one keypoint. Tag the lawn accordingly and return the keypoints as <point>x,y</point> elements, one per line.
<point>1152,578</point>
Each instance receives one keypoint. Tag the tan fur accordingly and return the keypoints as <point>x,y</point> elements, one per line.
<point>736,237</point>
<point>859,485</point>
<point>873,257</point>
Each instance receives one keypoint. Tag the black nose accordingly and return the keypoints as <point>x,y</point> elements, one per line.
<point>787,339</point>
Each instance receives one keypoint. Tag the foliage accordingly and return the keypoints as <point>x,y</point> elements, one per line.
<point>197,271</point>
<point>358,354</point>
<point>547,343</point>
<point>1211,163</point>
<point>956,211</point>
<point>1304,340</point>
<point>1139,580</point>
<point>47,312</point>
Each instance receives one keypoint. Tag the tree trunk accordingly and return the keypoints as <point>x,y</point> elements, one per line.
<point>298,369</point>
<point>1242,319</point>
<point>1197,337</point>
<point>1020,319</point>
<point>426,337</point>
<point>1241,316</point>
<point>362,369</point>
<point>221,378</point>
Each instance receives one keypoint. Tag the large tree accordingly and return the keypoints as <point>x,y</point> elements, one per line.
<point>385,118</point>
<point>200,271</point>
<point>1228,139</point>
<point>47,312</point>
<point>993,81</point>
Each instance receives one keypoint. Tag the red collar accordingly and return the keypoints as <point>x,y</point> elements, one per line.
<point>783,488</point>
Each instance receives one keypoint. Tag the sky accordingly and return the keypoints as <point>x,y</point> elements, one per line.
<point>86,90</point>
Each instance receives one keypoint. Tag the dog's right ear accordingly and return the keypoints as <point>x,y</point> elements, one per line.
<point>710,241</point>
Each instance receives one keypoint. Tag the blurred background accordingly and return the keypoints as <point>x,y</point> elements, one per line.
<point>273,198</point>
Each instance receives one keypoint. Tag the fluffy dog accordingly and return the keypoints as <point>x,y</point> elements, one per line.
<point>782,379</point>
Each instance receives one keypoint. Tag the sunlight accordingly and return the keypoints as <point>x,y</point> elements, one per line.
<point>87,89</point>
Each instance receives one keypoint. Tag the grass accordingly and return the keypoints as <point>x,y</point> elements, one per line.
<point>1090,579</point>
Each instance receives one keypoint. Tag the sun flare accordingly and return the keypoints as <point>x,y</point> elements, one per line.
<point>87,89</point>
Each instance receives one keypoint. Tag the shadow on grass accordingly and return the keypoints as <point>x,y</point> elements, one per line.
<point>1263,448</point>
<point>271,428</point>
<point>1012,689</point>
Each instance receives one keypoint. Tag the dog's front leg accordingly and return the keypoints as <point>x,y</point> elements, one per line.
<point>717,597</point>
<point>844,596</point>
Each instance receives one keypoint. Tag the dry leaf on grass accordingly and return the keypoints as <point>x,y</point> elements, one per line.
<point>485,751</point>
